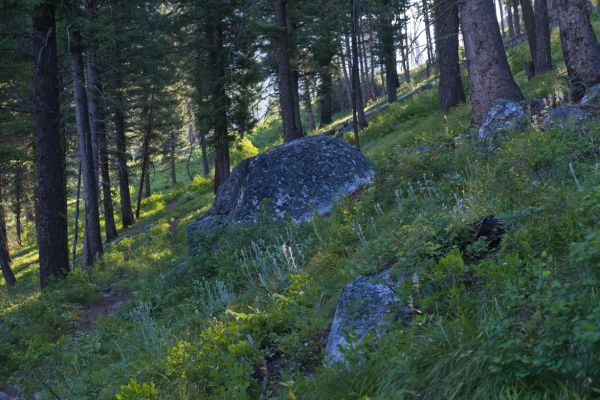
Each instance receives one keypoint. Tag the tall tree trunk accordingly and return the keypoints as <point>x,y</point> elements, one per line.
<point>312,124</point>
<point>286,86</point>
<point>516,17</point>
<point>147,181</point>
<point>295,79</point>
<point>579,43</point>
<point>93,249</point>
<point>149,112</point>
<point>204,152</point>
<point>76,218</point>
<point>543,58</point>
<point>51,196</point>
<point>346,67</point>
<point>325,96</point>
<point>446,31</point>
<point>18,204</point>
<point>388,50</point>
<point>511,22</point>
<point>173,158</point>
<point>5,259</point>
<point>357,87</point>
<point>220,103</point>
<point>127,218</point>
<point>530,29</point>
<point>98,131</point>
<point>358,112</point>
<point>501,11</point>
<point>428,37</point>
<point>489,73</point>
<point>405,50</point>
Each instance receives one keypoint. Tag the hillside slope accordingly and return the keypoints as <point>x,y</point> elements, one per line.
<point>250,321</point>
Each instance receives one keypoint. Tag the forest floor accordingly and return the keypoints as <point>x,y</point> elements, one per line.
<point>151,321</point>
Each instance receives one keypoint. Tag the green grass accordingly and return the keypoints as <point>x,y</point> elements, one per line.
<point>249,313</point>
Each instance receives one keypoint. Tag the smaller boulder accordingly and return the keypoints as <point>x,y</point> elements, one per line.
<point>592,97</point>
<point>504,115</point>
<point>570,114</point>
<point>366,305</point>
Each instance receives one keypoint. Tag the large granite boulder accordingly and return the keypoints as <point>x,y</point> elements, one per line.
<point>293,181</point>
<point>504,115</point>
<point>366,306</point>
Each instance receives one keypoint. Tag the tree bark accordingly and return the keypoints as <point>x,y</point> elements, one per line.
<point>286,86</point>
<point>489,73</point>
<point>543,50</point>
<point>93,249</point>
<point>5,259</point>
<point>98,131</point>
<point>579,44</point>
<point>530,29</point>
<point>446,31</point>
<point>51,196</point>
<point>295,79</point>
<point>147,180</point>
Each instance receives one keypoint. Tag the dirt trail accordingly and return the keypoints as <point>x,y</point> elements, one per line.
<point>110,303</point>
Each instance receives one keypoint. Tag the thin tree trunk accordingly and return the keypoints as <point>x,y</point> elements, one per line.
<point>446,31</point>
<point>543,58</point>
<point>346,69</point>
<point>579,44</point>
<point>145,151</point>
<point>147,181</point>
<point>76,226</point>
<point>295,80</point>
<point>220,102</point>
<point>530,29</point>
<point>204,152</point>
<point>93,249</point>
<point>502,25</point>
<point>5,259</point>
<point>516,18</point>
<point>98,131</point>
<point>489,73</point>
<point>18,206</point>
<point>325,95</point>
<point>511,22</point>
<point>388,51</point>
<point>358,112</point>
<point>173,160</point>
<point>312,124</point>
<point>428,37</point>
<point>286,86</point>
<point>51,211</point>
<point>127,218</point>
<point>405,50</point>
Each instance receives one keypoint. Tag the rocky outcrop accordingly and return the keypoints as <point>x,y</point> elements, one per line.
<point>293,181</point>
<point>505,115</point>
<point>592,96</point>
<point>366,306</point>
